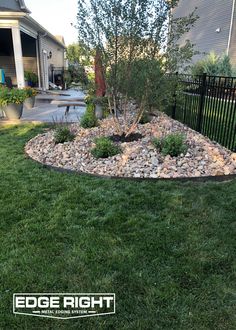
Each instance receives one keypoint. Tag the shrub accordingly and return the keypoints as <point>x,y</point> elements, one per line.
<point>30,92</point>
<point>89,119</point>
<point>105,148</point>
<point>31,77</point>
<point>63,134</point>
<point>213,65</point>
<point>12,96</point>
<point>157,143</point>
<point>145,118</point>
<point>3,95</point>
<point>225,66</point>
<point>172,144</point>
<point>77,74</point>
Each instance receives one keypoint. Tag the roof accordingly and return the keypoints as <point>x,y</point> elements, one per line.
<point>11,8</point>
<point>23,6</point>
<point>40,29</point>
<point>7,9</point>
<point>14,6</point>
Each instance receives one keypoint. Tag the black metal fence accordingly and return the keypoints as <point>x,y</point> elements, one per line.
<point>207,104</point>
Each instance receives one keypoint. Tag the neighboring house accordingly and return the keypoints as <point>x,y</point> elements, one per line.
<point>26,46</point>
<point>215,29</point>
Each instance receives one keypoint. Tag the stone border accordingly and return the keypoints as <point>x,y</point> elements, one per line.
<point>220,178</point>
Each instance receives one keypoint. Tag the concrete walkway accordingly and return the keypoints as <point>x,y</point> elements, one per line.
<point>47,112</point>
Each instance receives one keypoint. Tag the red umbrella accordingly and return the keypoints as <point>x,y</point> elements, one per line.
<point>99,76</point>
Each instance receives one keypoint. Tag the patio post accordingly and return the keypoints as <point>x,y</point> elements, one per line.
<point>18,56</point>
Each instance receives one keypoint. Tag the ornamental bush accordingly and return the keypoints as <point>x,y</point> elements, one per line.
<point>3,95</point>
<point>63,134</point>
<point>214,65</point>
<point>12,96</point>
<point>30,92</point>
<point>172,144</point>
<point>89,120</point>
<point>105,148</point>
<point>145,118</point>
<point>31,77</point>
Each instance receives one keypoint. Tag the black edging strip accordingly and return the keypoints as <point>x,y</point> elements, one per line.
<point>218,178</point>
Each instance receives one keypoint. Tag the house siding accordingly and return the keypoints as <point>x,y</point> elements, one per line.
<point>30,64</point>
<point>213,14</point>
<point>57,52</point>
<point>8,63</point>
<point>232,49</point>
<point>57,60</point>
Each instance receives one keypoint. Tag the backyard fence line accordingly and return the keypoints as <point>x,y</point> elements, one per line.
<point>207,104</point>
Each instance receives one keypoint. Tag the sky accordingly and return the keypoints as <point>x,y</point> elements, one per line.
<point>56,16</point>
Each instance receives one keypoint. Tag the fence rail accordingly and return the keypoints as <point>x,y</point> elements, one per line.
<point>207,104</point>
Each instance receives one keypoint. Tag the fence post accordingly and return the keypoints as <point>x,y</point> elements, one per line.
<point>175,97</point>
<point>201,103</point>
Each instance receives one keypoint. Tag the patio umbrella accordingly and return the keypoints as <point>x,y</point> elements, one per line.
<point>99,76</point>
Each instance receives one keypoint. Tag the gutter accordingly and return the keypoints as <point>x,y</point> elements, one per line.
<point>231,27</point>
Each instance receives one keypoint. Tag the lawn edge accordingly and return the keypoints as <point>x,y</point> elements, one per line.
<point>220,178</point>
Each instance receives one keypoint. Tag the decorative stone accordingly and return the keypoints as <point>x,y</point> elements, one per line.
<point>139,159</point>
<point>154,161</point>
<point>233,156</point>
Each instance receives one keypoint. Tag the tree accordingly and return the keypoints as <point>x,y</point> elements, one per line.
<point>133,38</point>
<point>77,53</point>
<point>78,56</point>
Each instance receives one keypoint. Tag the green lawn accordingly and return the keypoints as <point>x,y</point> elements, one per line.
<point>166,249</point>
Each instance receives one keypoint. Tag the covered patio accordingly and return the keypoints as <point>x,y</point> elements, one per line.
<point>25,45</point>
<point>18,53</point>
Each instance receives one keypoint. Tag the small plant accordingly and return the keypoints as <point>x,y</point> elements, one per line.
<point>172,144</point>
<point>63,134</point>
<point>3,95</point>
<point>157,142</point>
<point>89,119</point>
<point>105,148</point>
<point>31,77</point>
<point>12,96</point>
<point>101,101</point>
<point>30,92</point>
<point>145,118</point>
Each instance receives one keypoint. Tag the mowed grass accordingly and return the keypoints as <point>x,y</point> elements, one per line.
<point>166,249</point>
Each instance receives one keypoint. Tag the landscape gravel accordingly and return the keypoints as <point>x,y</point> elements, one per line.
<point>139,159</point>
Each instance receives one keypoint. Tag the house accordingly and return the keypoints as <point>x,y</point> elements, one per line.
<point>215,29</point>
<point>27,46</point>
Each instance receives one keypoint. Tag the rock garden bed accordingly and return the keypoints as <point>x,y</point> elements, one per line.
<point>139,158</point>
